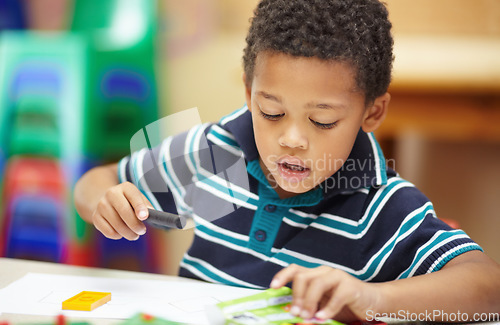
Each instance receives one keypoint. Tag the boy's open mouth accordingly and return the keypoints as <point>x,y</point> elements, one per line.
<point>292,172</point>
<point>293,167</point>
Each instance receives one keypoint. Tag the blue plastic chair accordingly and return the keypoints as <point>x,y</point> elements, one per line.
<point>35,230</point>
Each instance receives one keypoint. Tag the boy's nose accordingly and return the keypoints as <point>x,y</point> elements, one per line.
<point>293,138</point>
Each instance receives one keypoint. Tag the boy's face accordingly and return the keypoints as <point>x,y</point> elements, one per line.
<point>306,114</point>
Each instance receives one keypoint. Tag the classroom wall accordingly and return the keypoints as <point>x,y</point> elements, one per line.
<point>203,59</point>
<point>460,175</point>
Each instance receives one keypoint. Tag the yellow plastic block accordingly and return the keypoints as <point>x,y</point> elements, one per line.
<point>86,300</point>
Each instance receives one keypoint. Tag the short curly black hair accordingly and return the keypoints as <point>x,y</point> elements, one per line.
<point>357,32</point>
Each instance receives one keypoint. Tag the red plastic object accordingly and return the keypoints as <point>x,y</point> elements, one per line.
<point>60,320</point>
<point>82,254</point>
<point>30,175</point>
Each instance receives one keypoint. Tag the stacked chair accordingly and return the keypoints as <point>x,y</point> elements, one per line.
<point>71,101</point>
<point>42,96</point>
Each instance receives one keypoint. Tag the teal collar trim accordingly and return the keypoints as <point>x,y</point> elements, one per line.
<point>267,192</point>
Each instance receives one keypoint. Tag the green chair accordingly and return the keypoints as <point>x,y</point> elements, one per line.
<point>121,85</point>
<point>42,99</point>
<point>36,128</point>
<point>42,91</point>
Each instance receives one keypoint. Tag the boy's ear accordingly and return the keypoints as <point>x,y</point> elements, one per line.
<point>248,92</point>
<point>376,113</point>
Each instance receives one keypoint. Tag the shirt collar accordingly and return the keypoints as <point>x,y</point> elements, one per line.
<point>239,124</point>
<point>364,168</point>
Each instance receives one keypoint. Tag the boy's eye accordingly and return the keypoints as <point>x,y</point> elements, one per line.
<point>271,117</point>
<point>324,125</point>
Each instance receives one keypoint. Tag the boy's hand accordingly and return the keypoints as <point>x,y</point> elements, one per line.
<point>325,292</point>
<point>120,212</point>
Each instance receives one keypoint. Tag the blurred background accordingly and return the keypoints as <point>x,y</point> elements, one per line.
<point>73,73</point>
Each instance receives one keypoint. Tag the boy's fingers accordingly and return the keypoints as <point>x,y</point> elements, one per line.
<point>147,203</point>
<point>128,216</point>
<point>127,213</point>
<point>343,296</point>
<point>300,277</point>
<point>284,276</point>
<point>319,288</point>
<point>138,201</point>
<point>351,298</point>
<point>121,227</point>
<point>119,212</point>
<point>104,227</point>
<point>115,220</point>
<point>308,287</point>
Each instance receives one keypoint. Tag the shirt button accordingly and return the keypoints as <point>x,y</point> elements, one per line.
<point>270,208</point>
<point>260,235</point>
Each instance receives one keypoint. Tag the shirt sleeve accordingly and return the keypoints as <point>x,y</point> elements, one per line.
<point>418,241</point>
<point>160,173</point>
<point>201,172</point>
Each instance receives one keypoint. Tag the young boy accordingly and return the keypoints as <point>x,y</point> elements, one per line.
<point>313,203</point>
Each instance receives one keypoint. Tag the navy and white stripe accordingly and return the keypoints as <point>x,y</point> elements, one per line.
<point>381,230</point>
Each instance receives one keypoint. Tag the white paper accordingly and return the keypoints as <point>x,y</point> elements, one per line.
<point>180,301</point>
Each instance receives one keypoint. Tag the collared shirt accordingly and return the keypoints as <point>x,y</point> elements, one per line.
<point>364,219</point>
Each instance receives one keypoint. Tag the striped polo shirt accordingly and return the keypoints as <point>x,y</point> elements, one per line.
<point>364,219</point>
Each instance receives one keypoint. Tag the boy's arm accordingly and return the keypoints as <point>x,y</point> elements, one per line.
<point>468,284</point>
<point>115,209</point>
<point>91,187</point>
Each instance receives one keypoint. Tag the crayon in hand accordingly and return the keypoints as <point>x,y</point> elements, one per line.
<point>165,220</point>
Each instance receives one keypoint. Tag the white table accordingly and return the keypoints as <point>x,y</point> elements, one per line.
<point>14,269</point>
